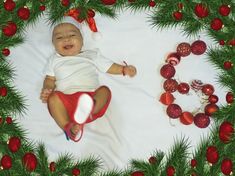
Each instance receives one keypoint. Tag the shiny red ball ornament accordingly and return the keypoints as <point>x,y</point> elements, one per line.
<point>167,98</point>
<point>198,47</point>
<point>231,42</point>
<point>216,24</point>
<point>167,71</point>
<point>5,51</point>
<point>108,2</point>
<point>170,171</point>
<point>229,97</point>
<point>29,160</point>
<point>213,99</point>
<point>208,89</point>
<point>173,59</point>
<point>228,65</point>
<point>170,85</point>
<point>76,172</point>
<point>152,3</point>
<point>152,160</point>
<point>210,109</point>
<point>52,166</point>
<point>226,131</point>
<point>183,49</point>
<point>226,166</point>
<point>42,8</point>
<point>91,13</point>
<point>9,120</point>
<point>222,42</point>
<point>14,144</point>
<point>180,5</point>
<point>9,5</point>
<point>212,154</point>
<point>137,173</point>
<point>183,88</point>
<point>224,10</point>
<point>3,91</point>
<point>65,2</point>
<point>174,111</point>
<point>9,29</point>
<point>6,162</point>
<point>177,15</point>
<point>201,120</point>
<point>186,118</point>
<point>193,163</point>
<point>201,10</point>
<point>23,13</point>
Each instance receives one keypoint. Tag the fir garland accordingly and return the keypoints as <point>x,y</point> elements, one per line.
<point>216,153</point>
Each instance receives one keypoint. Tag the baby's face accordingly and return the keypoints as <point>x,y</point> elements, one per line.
<point>67,39</point>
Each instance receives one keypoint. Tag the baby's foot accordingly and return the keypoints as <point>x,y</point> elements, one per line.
<point>75,129</point>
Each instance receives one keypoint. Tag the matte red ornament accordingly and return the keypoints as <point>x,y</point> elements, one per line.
<point>201,120</point>
<point>174,111</point>
<point>52,167</point>
<point>9,120</point>
<point>201,10</point>
<point>212,154</point>
<point>186,118</point>
<point>152,160</point>
<point>76,172</point>
<point>216,24</point>
<point>6,162</point>
<point>42,8</point>
<point>226,131</point>
<point>108,2</point>
<point>198,47</point>
<point>229,97</point>
<point>173,59</point>
<point>213,99</point>
<point>3,91</point>
<point>183,49</point>
<point>9,29</point>
<point>1,120</point>
<point>177,15</point>
<point>6,52</point>
<point>65,2</point>
<point>226,166</point>
<point>152,3</point>
<point>224,10</point>
<point>23,13</point>
<point>29,160</point>
<point>228,65</point>
<point>183,88</point>
<point>14,144</point>
<point>193,163</point>
<point>180,5</point>
<point>170,171</point>
<point>210,109</point>
<point>231,42</point>
<point>137,173</point>
<point>167,98</point>
<point>222,42</point>
<point>170,85</point>
<point>9,5</point>
<point>208,89</point>
<point>167,71</point>
<point>91,13</point>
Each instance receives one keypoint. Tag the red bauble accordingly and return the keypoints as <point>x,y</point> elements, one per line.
<point>231,42</point>
<point>224,10</point>
<point>174,111</point>
<point>91,13</point>
<point>177,15</point>
<point>42,8</point>
<point>65,2</point>
<point>201,11</point>
<point>226,166</point>
<point>226,131</point>
<point>9,120</point>
<point>152,160</point>
<point>212,154</point>
<point>222,42</point>
<point>213,99</point>
<point>1,120</point>
<point>173,59</point>
<point>6,52</point>
<point>180,5</point>
<point>183,88</point>
<point>167,98</point>
<point>193,163</point>
<point>210,109</point>
<point>170,171</point>
<point>14,144</point>
<point>152,3</point>
<point>3,91</point>
<point>76,172</point>
<point>52,166</point>
<point>137,173</point>
<point>216,24</point>
<point>208,89</point>
<point>196,85</point>
<point>228,65</point>
<point>229,97</point>
<point>23,13</point>
<point>170,85</point>
<point>29,160</point>
<point>167,71</point>
<point>186,118</point>
<point>9,5</point>
<point>10,29</point>
<point>183,49</point>
<point>6,162</point>
<point>198,47</point>
<point>108,2</point>
<point>201,120</point>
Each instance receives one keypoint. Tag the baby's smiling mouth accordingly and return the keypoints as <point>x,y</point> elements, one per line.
<point>68,47</point>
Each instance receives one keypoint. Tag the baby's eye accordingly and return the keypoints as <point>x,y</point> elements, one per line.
<point>58,38</point>
<point>72,35</point>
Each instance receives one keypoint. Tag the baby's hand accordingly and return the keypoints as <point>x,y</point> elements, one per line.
<point>45,94</point>
<point>130,70</point>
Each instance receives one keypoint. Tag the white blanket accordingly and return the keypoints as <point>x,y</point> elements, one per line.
<point>136,123</point>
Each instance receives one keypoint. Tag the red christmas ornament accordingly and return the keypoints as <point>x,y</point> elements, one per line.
<point>29,160</point>
<point>9,120</point>
<point>108,2</point>
<point>208,89</point>
<point>173,59</point>
<point>213,99</point>
<point>152,160</point>
<point>210,109</point>
<point>14,144</point>
<point>137,173</point>
<point>212,154</point>
<point>76,172</point>
<point>167,98</point>
<point>6,162</point>
<point>186,118</point>
<point>196,85</point>
<point>9,5</point>
<point>91,13</point>
<point>201,120</point>
<point>65,2</point>
<point>193,163</point>
<point>23,13</point>
<point>228,65</point>
<point>177,15</point>
<point>167,71</point>
<point>222,42</point>
<point>174,111</point>
<point>183,49</point>
<point>201,10</point>
<point>131,1</point>
<point>183,88</point>
<point>226,131</point>
<point>226,166</point>
<point>231,42</point>
<point>1,120</point>
<point>170,85</point>
<point>229,97</point>
<point>6,52</point>
<point>42,8</point>
<point>52,166</point>
<point>198,47</point>
<point>216,24</point>
<point>224,10</point>
<point>180,5</point>
<point>170,171</point>
<point>9,29</point>
<point>3,91</point>
<point>152,3</point>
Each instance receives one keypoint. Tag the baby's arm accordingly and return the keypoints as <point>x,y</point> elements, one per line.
<point>48,87</point>
<point>129,70</point>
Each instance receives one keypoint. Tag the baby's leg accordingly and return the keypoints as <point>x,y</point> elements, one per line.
<point>101,97</point>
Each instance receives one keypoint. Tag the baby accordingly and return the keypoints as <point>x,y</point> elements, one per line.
<point>71,88</point>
